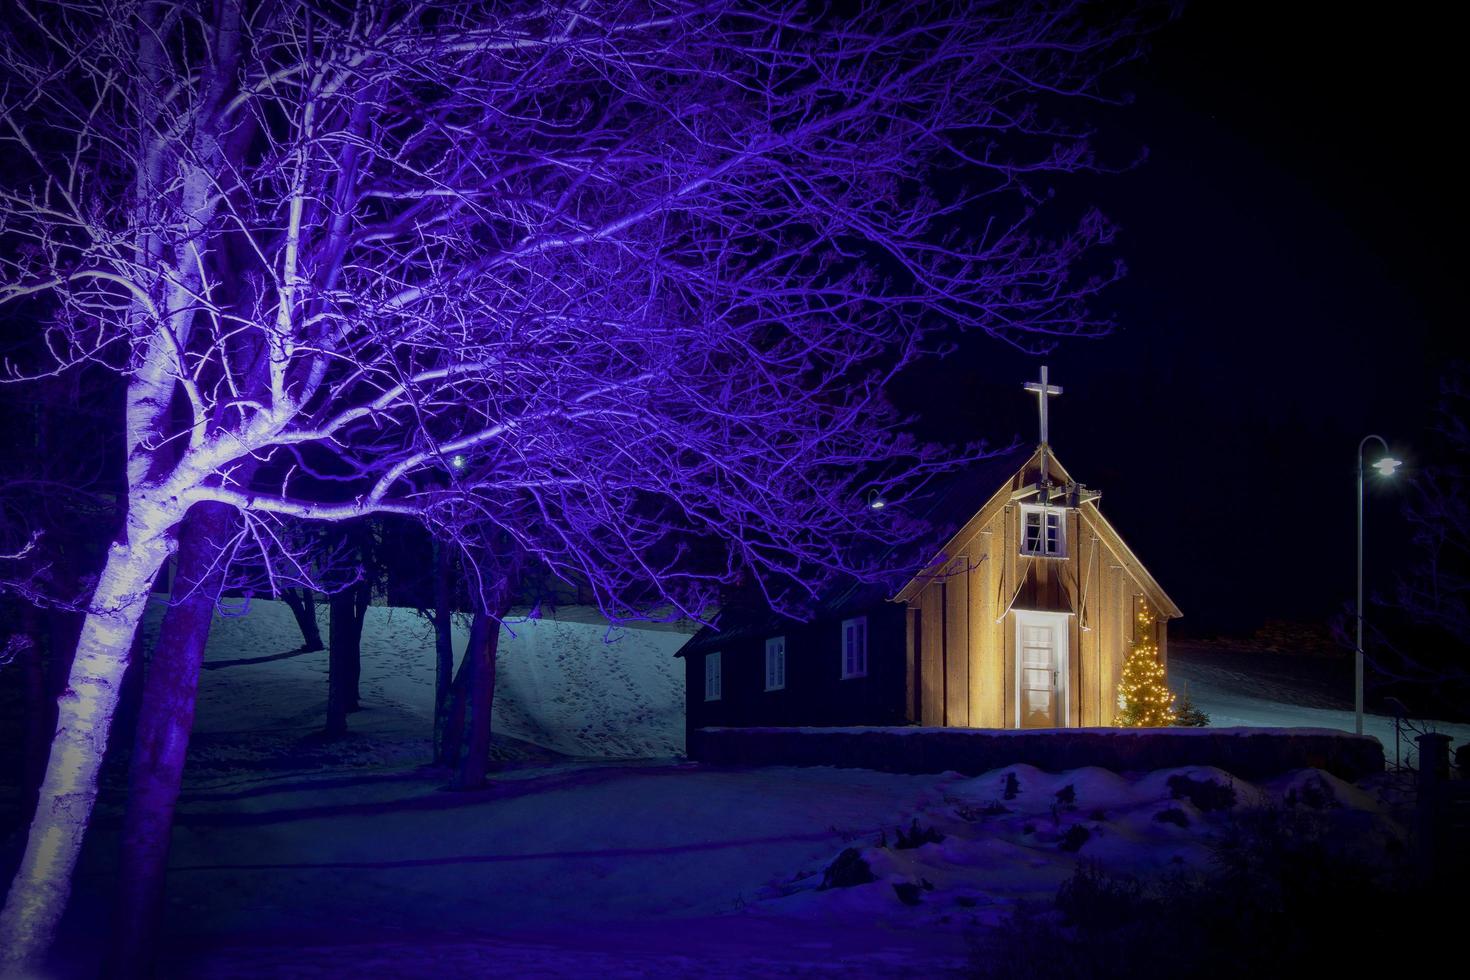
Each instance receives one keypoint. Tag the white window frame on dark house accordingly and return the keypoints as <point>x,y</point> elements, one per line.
<point>854,647</point>
<point>713,677</point>
<point>1043,531</point>
<point>776,663</point>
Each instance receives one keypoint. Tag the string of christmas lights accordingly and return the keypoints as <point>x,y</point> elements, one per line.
<point>1144,699</point>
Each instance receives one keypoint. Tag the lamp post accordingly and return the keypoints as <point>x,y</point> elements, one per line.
<point>1385,467</point>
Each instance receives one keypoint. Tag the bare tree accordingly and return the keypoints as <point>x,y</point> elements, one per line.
<point>616,278</point>
<point>1424,641</point>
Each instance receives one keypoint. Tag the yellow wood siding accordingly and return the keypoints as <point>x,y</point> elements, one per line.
<point>957,644</point>
<point>931,678</point>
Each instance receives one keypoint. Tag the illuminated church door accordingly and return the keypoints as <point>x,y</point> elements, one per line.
<point>1041,670</point>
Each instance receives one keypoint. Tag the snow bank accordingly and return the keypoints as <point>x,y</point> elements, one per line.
<point>1251,753</point>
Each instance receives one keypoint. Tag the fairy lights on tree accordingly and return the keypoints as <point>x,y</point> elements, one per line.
<point>1144,698</point>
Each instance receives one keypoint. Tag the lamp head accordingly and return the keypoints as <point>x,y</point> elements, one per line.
<point>876,501</point>
<point>1387,465</point>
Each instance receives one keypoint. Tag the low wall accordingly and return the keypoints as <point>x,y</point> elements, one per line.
<point>1250,753</point>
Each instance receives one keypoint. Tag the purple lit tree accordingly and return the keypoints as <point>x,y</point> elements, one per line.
<point>618,280</point>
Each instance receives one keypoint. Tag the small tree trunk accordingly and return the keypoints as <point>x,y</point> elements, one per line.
<point>302,603</point>
<point>484,641</point>
<point>455,714</point>
<point>443,643</point>
<point>344,658</point>
<point>165,722</point>
<point>352,674</point>
<point>339,643</point>
<point>38,709</point>
<point>42,885</point>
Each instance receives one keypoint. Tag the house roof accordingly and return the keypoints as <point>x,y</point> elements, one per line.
<point>945,505</point>
<point>963,530</point>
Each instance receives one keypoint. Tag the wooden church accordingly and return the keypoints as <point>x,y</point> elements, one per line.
<point>1022,621</point>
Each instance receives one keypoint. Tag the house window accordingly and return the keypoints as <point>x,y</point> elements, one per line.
<point>855,647</point>
<point>712,677</point>
<point>775,663</point>
<point>1043,532</point>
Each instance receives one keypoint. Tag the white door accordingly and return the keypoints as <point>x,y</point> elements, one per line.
<point>1041,670</point>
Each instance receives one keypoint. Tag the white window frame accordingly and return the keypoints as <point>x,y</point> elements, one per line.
<point>854,640</point>
<point>714,680</point>
<point>776,663</point>
<point>1048,549</point>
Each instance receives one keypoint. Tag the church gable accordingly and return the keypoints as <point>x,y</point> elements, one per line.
<point>1020,499</point>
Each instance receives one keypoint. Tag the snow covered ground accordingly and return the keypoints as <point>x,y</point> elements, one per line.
<point>295,857</point>
<point>567,685</point>
<point>1242,693</point>
<point>638,870</point>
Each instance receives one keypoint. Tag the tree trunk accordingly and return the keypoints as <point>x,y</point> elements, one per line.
<point>480,655</point>
<point>443,643</point>
<point>454,715</point>
<point>352,679</point>
<point>39,892</point>
<point>166,720</point>
<point>344,659</point>
<point>38,707</point>
<point>303,606</point>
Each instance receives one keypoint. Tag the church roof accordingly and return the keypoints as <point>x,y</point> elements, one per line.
<point>1001,494</point>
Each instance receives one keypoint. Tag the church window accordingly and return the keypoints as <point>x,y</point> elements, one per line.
<point>855,647</point>
<point>712,678</point>
<point>776,663</point>
<point>1043,532</point>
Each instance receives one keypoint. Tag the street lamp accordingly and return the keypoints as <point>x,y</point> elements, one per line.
<point>1385,466</point>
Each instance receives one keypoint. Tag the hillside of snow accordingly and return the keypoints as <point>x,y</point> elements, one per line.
<point>568,685</point>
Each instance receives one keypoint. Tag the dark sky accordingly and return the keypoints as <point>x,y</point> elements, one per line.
<point>1290,289</point>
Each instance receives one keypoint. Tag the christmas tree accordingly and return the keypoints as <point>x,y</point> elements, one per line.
<point>1144,700</point>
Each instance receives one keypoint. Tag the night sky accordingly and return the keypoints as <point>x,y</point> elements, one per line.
<point>1289,291</point>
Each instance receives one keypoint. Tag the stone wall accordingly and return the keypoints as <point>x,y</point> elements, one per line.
<point>1250,753</point>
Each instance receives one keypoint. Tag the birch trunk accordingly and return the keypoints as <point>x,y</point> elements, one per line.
<point>42,885</point>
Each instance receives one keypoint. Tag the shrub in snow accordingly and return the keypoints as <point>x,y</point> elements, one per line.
<point>848,869</point>
<point>1074,838</point>
<point>908,893</point>
<point>1173,815</point>
<point>1012,786</point>
<point>992,809</point>
<point>1205,794</point>
<point>1314,793</point>
<point>1066,799</point>
<point>1189,715</point>
<point>916,837</point>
